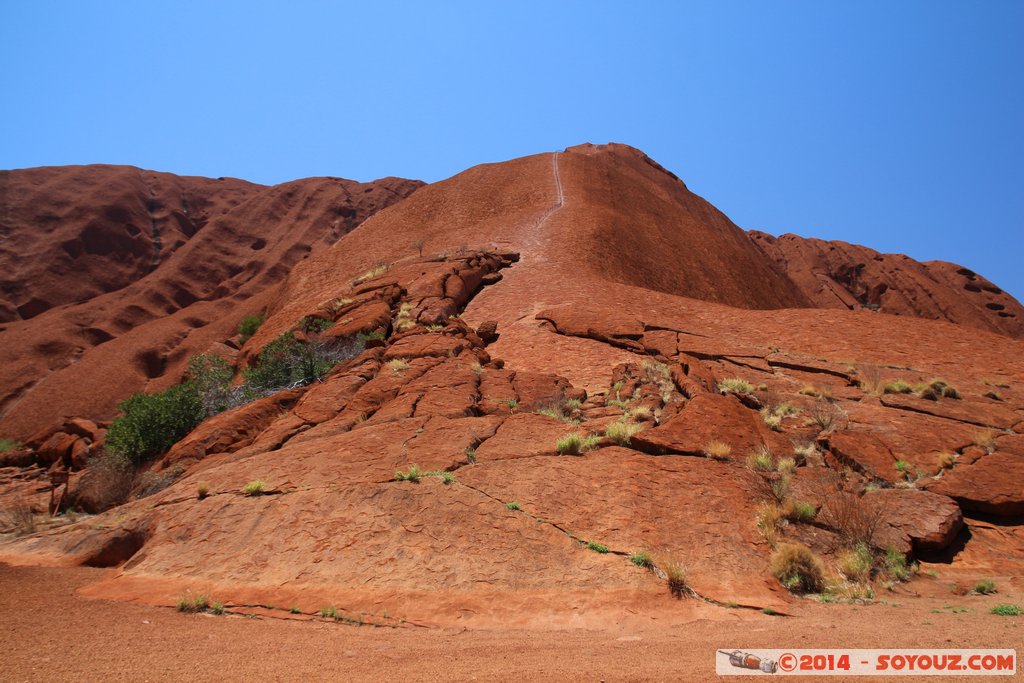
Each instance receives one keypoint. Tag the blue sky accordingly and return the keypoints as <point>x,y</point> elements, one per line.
<point>894,125</point>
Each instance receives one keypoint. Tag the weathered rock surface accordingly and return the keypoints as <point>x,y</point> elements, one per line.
<point>622,302</point>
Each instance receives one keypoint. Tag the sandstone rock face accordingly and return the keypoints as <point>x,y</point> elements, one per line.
<point>916,521</point>
<point>841,275</point>
<point>118,275</point>
<point>457,478</point>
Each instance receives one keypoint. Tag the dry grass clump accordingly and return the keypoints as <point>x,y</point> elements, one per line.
<point>851,515</point>
<point>202,490</point>
<point>946,460</point>
<point>761,460</point>
<point>576,444</point>
<point>985,438</point>
<point>824,415</point>
<point>621,432</point>
<point>675,576</point>
<point>773,421</point>
<point>403,320</point>
<point>856,563</point>
<point>256,487</point>
<point>376,271</point>
<point>937,389</point>
<point>19,519</point>
<point>769,517</point>
<point>822,392</point>
<point>397,365</point>
<point>797,568</point>
<point>717,450</point>
<point>897,386</point>
<point>799,511</point>
<point>869,379</point>
<point>734,385</point>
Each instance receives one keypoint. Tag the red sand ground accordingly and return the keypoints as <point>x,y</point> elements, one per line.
<point>52,633</point>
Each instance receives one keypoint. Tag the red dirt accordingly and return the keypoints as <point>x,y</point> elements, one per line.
<point>615,296</point>
<point>88,643</point>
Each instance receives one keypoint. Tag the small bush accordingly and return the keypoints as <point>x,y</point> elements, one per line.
<point>576,444</point>
<point>106,482</point>
<point>445,476</point>
<point>786,465</point>
<point>800,511</point>
<point>902,466</point>
<point>852,516</point>
<point>254,488</point>
<point>555,412</point>
<point>985,587</point>
<point>735,385</point>
<point>202,490</point>
<point>797,568</point>
<point>597,547</point>
<point>9,445</point>
<point>896,564</point>
<point>986,439</point>
<point>946,460</point>
<point>675,576</point>
<point>573,404</point>
<point>773,421</point>
<point>1006,610</point>
<point>248,326</point>
<point>768,517</point>
<point>294,609</point>
<point>621,432</point>
<point>779,487</point>
<point>412,474</point>
<point>856,564</point>
<point>761,460</point>
<point>471,455</point>
<point>897,387</point>
<point>152,423</point>
<point>217,608</point>
<point>312,324</point>
<point>823,415</point>
<point>512,506</point>
<point>642,559</point>
<point>286,362</point>
<point>200,603</point>
<point>805,450</point>
<point>717,450</point>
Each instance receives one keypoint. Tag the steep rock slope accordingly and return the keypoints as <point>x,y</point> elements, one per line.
<point>833,274</point>
<point>81,358</point>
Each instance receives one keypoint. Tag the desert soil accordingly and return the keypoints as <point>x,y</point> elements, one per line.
<point>52,633</point>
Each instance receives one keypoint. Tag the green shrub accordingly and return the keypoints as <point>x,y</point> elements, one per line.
<point>621,432</point>
<point>797,568</point>
<point>597,547</point>
<point>249,325</point>
<point>413,474</point>
<point>575,444</point>
<point>211,375</point>
<point>254,488</point>
<point>856,564</point>
<point>801,511</point>
<point>761,460</point>
<point>902,466</point>
<point>1006,610</point>
<point>512,506</point>
<point>985,587</point>
<point>152,423</point>
<point>897,387</point>
<point>9,445</point>
<point>200,603</point>
<point>896,564</point>
<point>642,559</point>
<point>314,325</point>
<point>286,362</point>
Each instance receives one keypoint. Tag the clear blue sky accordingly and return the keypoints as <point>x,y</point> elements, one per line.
<point>897,125</point>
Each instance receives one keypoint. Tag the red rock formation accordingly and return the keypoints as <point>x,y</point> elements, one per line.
<point>841,275</point>
<point>126,327</point>
<point>630,307</point>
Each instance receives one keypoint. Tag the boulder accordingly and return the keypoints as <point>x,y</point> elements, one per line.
<point>917,521</point>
